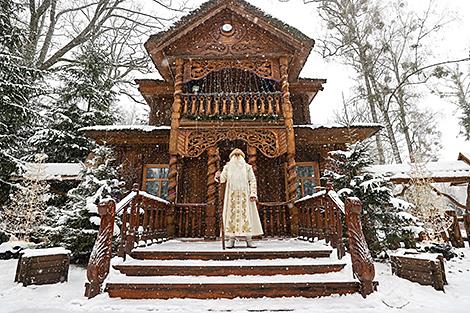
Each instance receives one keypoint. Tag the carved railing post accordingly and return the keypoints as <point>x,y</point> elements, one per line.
<point>212,160</point>
<point>362,262</point>
<point>100,258</point>
<point>289,124</point>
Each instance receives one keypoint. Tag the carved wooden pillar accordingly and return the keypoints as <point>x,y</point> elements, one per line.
<point>175,122</point>
<point>252,157</point>
<point>100,258</point>
<point>362,263</point>
<point>289,124</point>
<point>212,159</point>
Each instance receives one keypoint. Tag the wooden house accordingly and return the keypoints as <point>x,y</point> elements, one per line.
<point>230,80</point>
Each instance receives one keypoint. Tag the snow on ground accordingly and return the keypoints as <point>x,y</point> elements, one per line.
<point>394,295</point>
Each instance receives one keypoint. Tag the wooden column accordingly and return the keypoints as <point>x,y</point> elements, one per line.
<point>175,122</point>
<point>289,124</point>
<point>252,157</point>
<point>212,159</point>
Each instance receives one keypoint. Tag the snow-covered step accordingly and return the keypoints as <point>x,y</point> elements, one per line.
<point>219,270</point>
<point>227,254</point>
<point>230,290</point>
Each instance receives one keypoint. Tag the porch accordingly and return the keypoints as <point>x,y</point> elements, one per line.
<point>146,222</point>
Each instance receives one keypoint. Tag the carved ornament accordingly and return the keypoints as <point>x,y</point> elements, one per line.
<point>271,143</point>
<point>262,68</point>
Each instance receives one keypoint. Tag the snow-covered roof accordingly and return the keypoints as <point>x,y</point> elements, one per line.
<point>435,170</point>
<point>110,128</point>
<point>28,253</point>
<point>50,171</point>
<point>334,125</point>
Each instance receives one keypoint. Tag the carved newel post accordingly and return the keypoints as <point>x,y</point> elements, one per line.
<point>362,262</point>
<point>100,258</point>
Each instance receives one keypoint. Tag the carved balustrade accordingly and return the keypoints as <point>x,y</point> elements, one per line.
<point>190,219</point>
<point>320,218</point>
<point>143,222</point>
<point>244,104</point>
<point>274,218</point>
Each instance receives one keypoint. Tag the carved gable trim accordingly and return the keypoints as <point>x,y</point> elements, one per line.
<point>244,38</point>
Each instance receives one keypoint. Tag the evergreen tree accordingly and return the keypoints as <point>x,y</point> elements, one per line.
<point>18,87</point>
<point>86,99</point>
<point>382,225</point>
<point>78,226</point>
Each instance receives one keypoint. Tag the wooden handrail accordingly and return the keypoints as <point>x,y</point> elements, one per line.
<point>362,262</point>
<point>144,221</point>
<point>320,217</point>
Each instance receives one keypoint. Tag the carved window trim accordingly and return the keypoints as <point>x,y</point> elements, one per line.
<point>161,180</point>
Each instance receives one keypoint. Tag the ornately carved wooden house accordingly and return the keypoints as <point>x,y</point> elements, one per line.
<point>230,80</point>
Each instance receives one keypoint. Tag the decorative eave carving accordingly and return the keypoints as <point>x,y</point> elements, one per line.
<point>270,142</point>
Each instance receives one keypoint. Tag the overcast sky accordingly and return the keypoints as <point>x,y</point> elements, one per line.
<point>454,42</point>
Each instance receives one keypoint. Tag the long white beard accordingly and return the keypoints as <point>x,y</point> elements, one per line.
<point>237,175</point>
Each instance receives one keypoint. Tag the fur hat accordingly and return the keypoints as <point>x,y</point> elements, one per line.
<point>237,152</point>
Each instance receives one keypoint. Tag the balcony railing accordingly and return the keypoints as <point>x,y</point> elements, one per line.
<point>243,105</point>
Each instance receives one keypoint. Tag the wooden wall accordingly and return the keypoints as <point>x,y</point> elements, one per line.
<point>134,157</point>
<point>301,110</point>
<point>160,110</point>
<point>192,180</point>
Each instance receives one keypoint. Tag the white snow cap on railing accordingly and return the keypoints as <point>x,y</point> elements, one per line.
<point>125,201</point>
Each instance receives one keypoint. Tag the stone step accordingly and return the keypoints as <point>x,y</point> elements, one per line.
<point>224,270</point>
<point>227,254</point>
<point>230,290</point>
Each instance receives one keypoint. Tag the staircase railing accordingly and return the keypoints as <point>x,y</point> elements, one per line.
<point>320,216</point>
<point>143,222</point>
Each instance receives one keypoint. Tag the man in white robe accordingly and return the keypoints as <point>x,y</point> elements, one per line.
<point>240,215</point>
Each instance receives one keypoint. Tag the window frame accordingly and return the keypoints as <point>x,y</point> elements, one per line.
<point>315,178</point>
<point>145,179</point>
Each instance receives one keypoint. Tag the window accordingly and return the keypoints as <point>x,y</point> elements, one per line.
<point>156,179</point>
<point>308,176</point>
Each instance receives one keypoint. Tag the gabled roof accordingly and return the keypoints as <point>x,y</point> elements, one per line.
<point>156,43</point>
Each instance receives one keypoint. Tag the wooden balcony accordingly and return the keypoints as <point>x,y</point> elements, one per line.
<point>232,106</point>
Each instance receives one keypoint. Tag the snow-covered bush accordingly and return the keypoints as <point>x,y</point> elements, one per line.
<point>383,226</point>
<point>77,228</point>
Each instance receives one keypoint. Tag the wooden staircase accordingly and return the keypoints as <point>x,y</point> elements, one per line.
<point>161,269</point>
<point>160,272</point>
